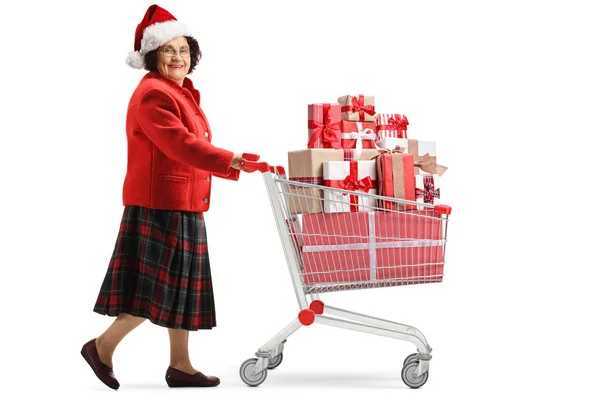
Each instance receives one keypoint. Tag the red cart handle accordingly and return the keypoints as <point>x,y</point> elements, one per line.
<point>440,209</point>
<point>249,163</point>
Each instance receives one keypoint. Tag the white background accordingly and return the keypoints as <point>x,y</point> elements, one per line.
<point>509,91</point>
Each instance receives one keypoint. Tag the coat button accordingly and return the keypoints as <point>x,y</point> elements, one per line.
<point>208,179</point>
<point>205,134</point>
<point>205,200</point>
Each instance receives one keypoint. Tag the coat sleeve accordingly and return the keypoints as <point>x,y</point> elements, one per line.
<point>159,119</point>
<point>234,175</point>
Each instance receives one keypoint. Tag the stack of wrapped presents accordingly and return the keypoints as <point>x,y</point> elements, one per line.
<point>353,148</point>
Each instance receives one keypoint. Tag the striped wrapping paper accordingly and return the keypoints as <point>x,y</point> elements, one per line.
<point>324,126</point>
<point>391,125</point>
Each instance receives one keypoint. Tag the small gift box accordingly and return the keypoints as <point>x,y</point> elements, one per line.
<point>358,176</point>
<point>427,189</point>
<point>324,126</point>
<point>396,177</point>
<point>306,166</point>
<point>391,126</point>
<point>401,248</point>
<point>357,108</point>
<point>358,135</point>
<point>424,153</point>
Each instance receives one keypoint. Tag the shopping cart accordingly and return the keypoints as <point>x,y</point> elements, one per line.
<point>336,239</point>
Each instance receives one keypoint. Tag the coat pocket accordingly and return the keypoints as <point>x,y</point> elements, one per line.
<point>171,190</point>
<point>175,178</point>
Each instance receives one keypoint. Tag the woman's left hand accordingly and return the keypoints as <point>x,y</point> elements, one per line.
<point>235,163</point>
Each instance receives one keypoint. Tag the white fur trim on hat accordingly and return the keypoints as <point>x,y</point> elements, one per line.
<point>155,36</point>
<point>160,33</point>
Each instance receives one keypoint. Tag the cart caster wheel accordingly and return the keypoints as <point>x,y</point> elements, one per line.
<point>275,361</point>
<point>408,378</point>
<point>410,358</point>
<point>250,378</point>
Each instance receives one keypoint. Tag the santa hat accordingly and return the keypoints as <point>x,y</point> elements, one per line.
<point>157,28</point>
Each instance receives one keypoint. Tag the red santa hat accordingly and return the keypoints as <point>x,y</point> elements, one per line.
<point>157,28</point>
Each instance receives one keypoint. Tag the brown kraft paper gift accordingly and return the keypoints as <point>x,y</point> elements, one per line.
<point>306,166</point>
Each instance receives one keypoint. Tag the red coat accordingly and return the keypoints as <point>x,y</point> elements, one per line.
<point>170,160</point>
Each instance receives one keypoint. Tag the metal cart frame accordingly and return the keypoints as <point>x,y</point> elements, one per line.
<point>253,371</point>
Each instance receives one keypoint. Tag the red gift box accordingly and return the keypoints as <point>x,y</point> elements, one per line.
<point>372,246</point>
<point>395,178</point>
<point>324,126</point>
<point>358,135</point>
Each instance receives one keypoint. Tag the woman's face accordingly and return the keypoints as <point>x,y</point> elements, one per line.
<point>174,60</point>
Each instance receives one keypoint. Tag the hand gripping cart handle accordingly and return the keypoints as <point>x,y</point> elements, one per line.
<point>249,163</point>
<point>338,239</point>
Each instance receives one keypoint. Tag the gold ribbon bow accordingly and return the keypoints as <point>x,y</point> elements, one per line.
<point>397,149</point>
<point>427,164</point>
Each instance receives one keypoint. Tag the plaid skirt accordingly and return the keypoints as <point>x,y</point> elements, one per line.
<point>160,270</point>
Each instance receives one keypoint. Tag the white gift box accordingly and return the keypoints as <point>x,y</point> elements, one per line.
<point>427,189</point>
<point>338,174</point>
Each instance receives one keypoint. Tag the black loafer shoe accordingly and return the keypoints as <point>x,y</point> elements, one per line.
<point>102,371</point>
<point>177,378</point>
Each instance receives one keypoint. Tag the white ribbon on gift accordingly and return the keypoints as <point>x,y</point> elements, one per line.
<point>366,133</point>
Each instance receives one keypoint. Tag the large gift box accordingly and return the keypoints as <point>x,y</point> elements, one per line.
<point>423,151</point>
<point>372,246</point>
<point>306,166</point>
<point>358,135</point>
<point>391,126</point>
<point>324,126</point>
<point>358,176</point>
<point>427,189</point>
<point>395,178</point>
<point>357,107</point>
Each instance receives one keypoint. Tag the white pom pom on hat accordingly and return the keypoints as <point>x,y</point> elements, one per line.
<point>157,28</point>
<point>135,60</point>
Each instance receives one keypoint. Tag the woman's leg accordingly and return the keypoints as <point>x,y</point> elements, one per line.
<point>180,355</point>
<point>108,341</point>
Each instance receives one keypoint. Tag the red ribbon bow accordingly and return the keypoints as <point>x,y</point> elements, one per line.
<point>330,132</point>
<point>351,183</point>
<point>398,123</point>
<point>358,105</point>
<point>354,184</point>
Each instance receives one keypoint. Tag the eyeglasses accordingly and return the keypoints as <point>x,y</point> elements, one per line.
<point>170,52</point>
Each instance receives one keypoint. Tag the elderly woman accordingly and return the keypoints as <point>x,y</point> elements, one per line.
<point>160,268</point>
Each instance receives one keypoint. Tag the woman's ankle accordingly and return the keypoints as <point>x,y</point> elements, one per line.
<point>183,366</point>
<point>104,354</point>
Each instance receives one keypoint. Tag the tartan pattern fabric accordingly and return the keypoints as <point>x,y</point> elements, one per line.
<point>315,180</point>
<point>160,270</point>
<point>429,192</point>
<point>349,154</point>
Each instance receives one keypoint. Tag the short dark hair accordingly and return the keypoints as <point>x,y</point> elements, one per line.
<point>151,57</point>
